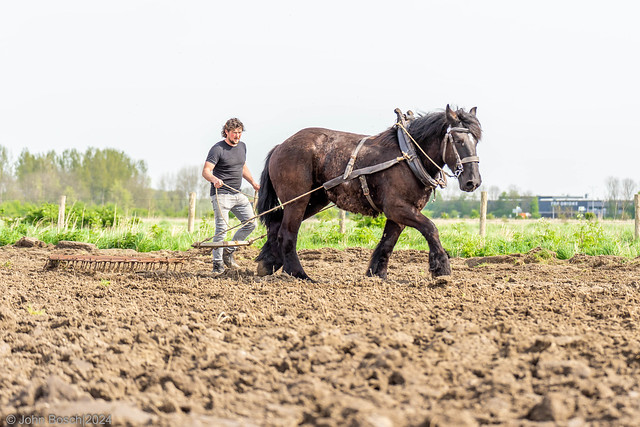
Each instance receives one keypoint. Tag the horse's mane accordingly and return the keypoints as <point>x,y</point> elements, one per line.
<point>430,125</point>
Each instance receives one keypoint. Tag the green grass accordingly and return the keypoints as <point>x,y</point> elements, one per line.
<point>462,239</point>
<point>459,237</point>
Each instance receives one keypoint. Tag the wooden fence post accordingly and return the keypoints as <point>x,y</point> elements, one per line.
<point>483,214</point>
<point>343,220</point>
<point>61,208</point>
<point>255,200</point>
<point>636,202</point>
<point>192,211</point>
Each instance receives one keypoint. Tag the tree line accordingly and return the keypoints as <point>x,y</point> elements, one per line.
<point>453,203</point>
<point>95,177</point>
<point>110,177</point>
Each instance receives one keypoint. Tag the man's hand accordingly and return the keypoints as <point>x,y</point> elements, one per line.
<point>217,182</point>
<point>255,186</point>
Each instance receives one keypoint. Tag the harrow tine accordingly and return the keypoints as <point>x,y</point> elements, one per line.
<point>114,263</point>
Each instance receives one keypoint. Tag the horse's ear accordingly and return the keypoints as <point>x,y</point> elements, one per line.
<point>452,116</point>
<point>473,111</point>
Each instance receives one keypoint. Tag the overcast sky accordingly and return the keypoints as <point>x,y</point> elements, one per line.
<point>555,82</point>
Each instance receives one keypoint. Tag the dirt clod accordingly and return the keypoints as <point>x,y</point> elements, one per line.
<point>511,340</point>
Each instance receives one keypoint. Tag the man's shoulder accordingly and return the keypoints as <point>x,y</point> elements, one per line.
<point>219,144</point>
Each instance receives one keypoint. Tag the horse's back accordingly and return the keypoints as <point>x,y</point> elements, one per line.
<point>316,138</point>
<point>316,148</point>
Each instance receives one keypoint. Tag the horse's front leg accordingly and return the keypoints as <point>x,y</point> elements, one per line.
<point>380,258</point>
<point>438,257</point>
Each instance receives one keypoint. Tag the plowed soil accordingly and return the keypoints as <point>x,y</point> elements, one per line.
<point>512,340</point>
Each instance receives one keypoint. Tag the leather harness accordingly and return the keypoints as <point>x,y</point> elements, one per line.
<point>409,154</point>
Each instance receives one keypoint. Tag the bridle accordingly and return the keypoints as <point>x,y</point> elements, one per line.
<point>419,170</point>
<point>448,139</point>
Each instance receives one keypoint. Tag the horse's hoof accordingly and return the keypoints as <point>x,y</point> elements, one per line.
<point>442,272</point>
<point>441,282</point>
<point>302,276</point>
<point>439,266</point>
<point>264,270</point>
<point>443,269</point>
<point>378,274</point>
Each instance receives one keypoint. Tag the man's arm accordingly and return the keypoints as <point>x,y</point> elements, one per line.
<point>207,173</point>
<point>246,174</point>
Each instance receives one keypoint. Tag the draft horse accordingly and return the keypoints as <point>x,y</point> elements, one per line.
<point>397,171</point>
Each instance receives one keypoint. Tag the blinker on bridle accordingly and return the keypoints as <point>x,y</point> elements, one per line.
<point>448,138</point>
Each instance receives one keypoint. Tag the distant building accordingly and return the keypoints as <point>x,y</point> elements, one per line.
<point>569,207</point>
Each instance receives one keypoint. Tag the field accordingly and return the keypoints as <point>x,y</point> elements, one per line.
<point>505,340</point>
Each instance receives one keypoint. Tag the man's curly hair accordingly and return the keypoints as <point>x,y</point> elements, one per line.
<point>231,124</point>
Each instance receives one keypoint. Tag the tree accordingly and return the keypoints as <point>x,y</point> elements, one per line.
<point>105,172</point>
<point>534,208</point>
<point>628,190</point>
<point>613,193</point>
<point>189,180</point>
<point>38,176</point>
<point>493,192</point>
<point>6,174</point>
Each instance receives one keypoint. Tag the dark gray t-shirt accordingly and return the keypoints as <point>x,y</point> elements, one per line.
<point>228,162</point>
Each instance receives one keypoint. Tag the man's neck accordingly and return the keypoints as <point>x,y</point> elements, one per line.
<point>231,143</point>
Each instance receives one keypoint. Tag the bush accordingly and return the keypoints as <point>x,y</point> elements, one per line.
<point>363,221</point>
<point>44,214</point>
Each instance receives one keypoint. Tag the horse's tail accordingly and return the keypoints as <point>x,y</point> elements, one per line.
<point>267,198</point>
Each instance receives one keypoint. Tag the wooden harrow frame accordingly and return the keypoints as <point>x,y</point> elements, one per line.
<point>114,263</point>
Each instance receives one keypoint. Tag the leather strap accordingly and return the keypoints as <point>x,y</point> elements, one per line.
<point>363,171</point>
<point>365,190</point>
<point>470,159</point>
<point>414,162</point>
<point>352,160</point>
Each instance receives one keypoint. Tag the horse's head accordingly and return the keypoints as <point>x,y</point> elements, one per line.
<point>459,151</point>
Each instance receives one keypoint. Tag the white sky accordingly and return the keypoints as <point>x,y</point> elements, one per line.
<point>555,82</point>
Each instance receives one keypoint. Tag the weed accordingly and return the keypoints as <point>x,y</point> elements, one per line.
<point>35,312</point>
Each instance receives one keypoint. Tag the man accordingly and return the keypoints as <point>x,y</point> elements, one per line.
<point>224,168</point>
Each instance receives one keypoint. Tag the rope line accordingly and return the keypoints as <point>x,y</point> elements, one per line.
<point>280,206</point>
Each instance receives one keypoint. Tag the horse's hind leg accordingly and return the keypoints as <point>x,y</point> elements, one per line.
<point>270,258</point>
<point>288,237</point>
<point>315,205</point>
<point>380,258</point>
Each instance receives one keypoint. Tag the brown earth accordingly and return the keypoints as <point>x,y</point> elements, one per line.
<point>514,340</point>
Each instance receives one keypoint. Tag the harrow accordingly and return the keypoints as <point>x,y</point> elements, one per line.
<point>113,263</point>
